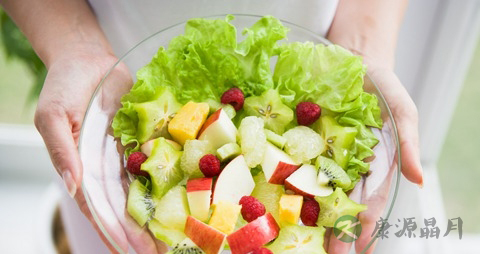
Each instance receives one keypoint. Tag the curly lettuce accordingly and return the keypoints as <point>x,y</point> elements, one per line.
<point>200,65</point>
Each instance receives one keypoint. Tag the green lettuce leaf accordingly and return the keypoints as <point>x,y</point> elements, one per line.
<point>208,56</point>
<point>200,66</point>
<point>125,126</point>
<point>361,118</point>
<point>330,76</point>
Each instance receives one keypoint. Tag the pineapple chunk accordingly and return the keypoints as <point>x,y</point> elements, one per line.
<point>225,216</point>
<point>290,208</point>
<point>188,121</point>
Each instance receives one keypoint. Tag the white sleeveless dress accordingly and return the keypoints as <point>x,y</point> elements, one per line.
<point>127,22</point>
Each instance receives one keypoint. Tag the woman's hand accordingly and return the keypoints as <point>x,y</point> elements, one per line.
<point>68,39</point>
<point>406,119</point>
<point>69,86</point>
<point>370,28</point>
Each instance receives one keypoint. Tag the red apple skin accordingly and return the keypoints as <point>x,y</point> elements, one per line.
<point>289,186</point>
<point>199,184</point>
<point>282,172</point>
<point>211,119</point>
<point>210,240</point>
<point>253,235</point>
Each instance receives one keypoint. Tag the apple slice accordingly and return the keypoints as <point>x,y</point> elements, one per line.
<point>147,147</point>
<point>277,165</point>
<point>199,192</point>
<point>207,238</point>
<point>218,129</point>
<point>234,182</point>
<point>254,235</point>
<point>304,182</point>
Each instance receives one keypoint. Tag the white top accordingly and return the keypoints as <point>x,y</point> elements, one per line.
<point>127,22</point>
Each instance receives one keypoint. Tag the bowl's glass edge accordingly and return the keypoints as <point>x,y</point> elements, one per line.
<point>320,38</point>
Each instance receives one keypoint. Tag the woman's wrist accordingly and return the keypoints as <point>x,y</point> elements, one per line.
<point>369,28</point>
<point>57,28</point>
<point>373,52</point>
<point>77,51</point>
<point>79,39</point>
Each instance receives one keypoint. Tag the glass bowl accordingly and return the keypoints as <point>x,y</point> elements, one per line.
<point>105,181</point>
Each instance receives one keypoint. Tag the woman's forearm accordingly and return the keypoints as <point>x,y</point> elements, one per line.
<point>369,28</point>
<point>55,27</point>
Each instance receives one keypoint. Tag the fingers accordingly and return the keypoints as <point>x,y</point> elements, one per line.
<point>406,118</point>
<point>336,246</point>
<point>57,134</point>
<point>368,221</point>
<point>326,241</point>
<point>407,125</point>
<point>375,194</point>
<point>82,204</point>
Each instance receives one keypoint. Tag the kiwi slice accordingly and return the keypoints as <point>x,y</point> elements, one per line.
<point>335,206</point>
<point>270,108</point>
<point>187,246</point>
<point>163,166</point>
<point>275,139</point>
<point>139,202</point>
<point>154,116</point>
<point>331,174</point>
<point>338,140</point>
<point>299,239</point>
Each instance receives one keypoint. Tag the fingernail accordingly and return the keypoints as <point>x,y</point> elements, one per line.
<point>420,185</point>
<point>69,183</point>
<point>421,182</point>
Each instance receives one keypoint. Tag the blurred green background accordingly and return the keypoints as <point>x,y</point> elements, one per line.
<point>15,85</point>
<point>459,164</point>
<point>22,74</point>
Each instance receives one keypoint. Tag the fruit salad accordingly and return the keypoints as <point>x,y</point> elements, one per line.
<point>229,149</point>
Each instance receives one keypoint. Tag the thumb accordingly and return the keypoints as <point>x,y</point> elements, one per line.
<point>57,134</point>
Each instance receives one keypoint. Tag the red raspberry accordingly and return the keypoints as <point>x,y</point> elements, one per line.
<point>309,213</point>
<point>233,96</point>
<point>307,113</point>
<point>251,208</point>
<point>134,163</point>
<point>261,250</point>
<point>209,165</point>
